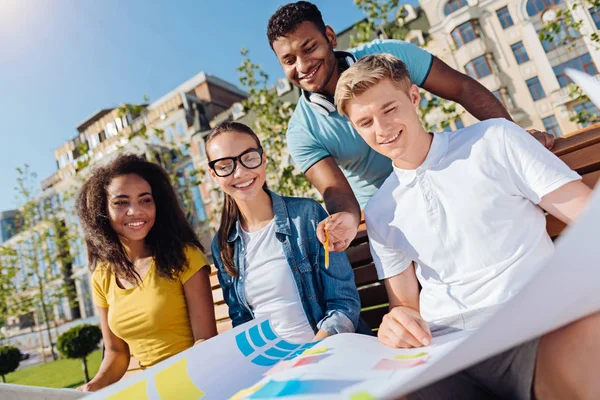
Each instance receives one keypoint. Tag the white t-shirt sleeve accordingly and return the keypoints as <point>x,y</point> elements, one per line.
<point>535,170</point>
<point>389,261</point>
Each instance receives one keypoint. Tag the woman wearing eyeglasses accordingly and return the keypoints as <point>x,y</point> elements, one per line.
<point>269,259</point>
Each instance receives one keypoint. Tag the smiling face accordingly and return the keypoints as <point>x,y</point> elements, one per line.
<point>243,184</point>
<point>307,58</point>
<point>131,207</point>
<point>385,117</point>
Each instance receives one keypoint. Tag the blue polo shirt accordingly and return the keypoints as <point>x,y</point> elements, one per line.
<point>312,137</point>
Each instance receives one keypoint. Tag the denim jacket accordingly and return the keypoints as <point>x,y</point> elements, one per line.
<point>329,296</point>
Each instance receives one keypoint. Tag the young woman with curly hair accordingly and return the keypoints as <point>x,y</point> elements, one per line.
<point>150,276</point>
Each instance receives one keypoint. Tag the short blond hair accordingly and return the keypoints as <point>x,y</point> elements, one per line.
<point>368,72</point>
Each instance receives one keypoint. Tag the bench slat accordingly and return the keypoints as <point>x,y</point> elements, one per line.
<point>359,255</point>
<point>373,317</point>
<point>373,295</point>
<point>365,275</point>
<point>221,312</point>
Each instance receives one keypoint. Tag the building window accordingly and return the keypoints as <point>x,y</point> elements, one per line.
<point>564,35</point>
<point>589,111</point>
<point>94,140</point>
<point>184,149</point>
<point>582,63</point>
<point>454,5</point>
<point>595,13</point>
<point>478,67</point>
<point>504,17</point>
<point>520,53</point>
<point>169,135</point>
<point>459,124</point>
<point>446,127</point>
<point>196,196</point>
<point>180,128</point>
<point>537,6</point>
<point>502,95</point>
<point>465,33</point>
<point>201,148</point>
<point>416,41</point>
<point>535,88</point>
<point>551,126</point>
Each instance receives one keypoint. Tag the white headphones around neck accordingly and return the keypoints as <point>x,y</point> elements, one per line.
<point>325,105</point>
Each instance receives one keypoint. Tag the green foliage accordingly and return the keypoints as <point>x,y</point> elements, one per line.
<point>564,30</point>
<point>10,357</point>
<point>63,373</point>
<point>79,341</point>
<point>387,18</point>
<point>384,17</point>
<point>271,118</point>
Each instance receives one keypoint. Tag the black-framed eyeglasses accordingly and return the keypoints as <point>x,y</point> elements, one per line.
<point>250,159</point>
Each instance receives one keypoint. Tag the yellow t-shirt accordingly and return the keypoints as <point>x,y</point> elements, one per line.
<point>152,318</point>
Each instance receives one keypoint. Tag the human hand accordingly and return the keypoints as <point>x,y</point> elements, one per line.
<point>403,327</point>
<point>91,386</point>
<point>543,137</point>
<point>342,229</point>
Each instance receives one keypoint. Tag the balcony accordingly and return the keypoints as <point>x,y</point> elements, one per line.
<point>564,95</point>
<point>474,49</point>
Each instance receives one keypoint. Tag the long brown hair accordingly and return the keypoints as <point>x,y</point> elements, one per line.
<point>230,212</point>
<point>166,240</point>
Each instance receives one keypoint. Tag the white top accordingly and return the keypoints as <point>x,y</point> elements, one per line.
<point>467,217</point>
<point>270,287</point>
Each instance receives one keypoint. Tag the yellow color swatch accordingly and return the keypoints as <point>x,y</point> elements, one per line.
<point>409,356</point>
<point>311,352</point>
<point>174,382</point>
<point>245,392</point>
<point>136,391</point>
<point>362,396</point>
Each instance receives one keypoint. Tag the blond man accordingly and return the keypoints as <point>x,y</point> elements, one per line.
<point>463,215</point>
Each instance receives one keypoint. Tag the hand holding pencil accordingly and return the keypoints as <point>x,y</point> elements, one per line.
<point>338,230</point>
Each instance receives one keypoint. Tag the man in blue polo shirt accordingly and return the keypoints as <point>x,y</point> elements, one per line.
<point>325,146</point>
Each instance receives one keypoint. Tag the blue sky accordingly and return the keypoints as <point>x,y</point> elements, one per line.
<point>62,60</point>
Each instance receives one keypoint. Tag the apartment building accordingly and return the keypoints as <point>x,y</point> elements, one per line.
<point>497,43</point>
<point>160,131</point>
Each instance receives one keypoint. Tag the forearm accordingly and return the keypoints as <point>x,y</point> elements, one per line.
<point>113,367</point>
<point>336,203</point>
<point>480,102</point>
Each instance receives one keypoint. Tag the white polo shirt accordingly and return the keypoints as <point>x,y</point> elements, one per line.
<point>468,217</point>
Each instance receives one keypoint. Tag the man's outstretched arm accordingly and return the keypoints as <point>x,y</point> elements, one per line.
<point>472,95</point>
<point>340,203</point>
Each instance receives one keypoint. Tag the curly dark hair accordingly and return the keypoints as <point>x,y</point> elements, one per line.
<point>287,18</point>
<point>167,239</point>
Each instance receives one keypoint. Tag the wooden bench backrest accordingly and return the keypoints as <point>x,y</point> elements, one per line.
<point>580,151</point>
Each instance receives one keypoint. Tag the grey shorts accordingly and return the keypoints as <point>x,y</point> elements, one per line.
<point>508,375</point>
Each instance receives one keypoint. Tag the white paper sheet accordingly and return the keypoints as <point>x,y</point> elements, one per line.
<point>20,392</point>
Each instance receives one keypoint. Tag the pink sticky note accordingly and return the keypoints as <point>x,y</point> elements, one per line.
<point>280,366</point>
<point>385,364</point>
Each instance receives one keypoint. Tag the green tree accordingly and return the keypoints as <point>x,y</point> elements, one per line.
<point>271,117</point>
<point>565,31</point>
<point>79,342</point>
<point>41,254</point>
<point>385,18</point>
<point>10,357</point>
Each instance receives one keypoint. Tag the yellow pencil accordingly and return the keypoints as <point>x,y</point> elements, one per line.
<point>326,249</point>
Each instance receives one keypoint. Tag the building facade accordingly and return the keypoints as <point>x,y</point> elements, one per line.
<point>497,43</point>
<point>161,132</point>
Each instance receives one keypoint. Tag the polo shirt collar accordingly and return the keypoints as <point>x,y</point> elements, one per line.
<point>437,152</point>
